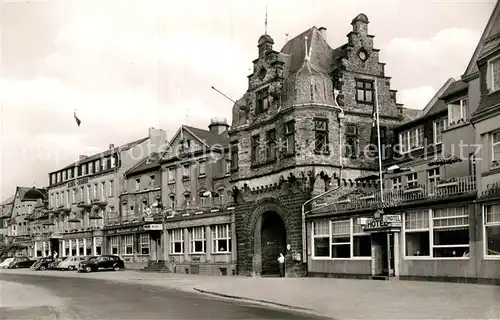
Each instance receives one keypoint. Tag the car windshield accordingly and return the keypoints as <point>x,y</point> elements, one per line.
<point>92,259</point>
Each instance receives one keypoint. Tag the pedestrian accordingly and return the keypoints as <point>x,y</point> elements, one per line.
<point>54,254</point>
<point>281,261</point>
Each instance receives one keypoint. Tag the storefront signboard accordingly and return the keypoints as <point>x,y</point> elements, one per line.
<point>380,224</point>
<point>125,230</point>
<point>393,219</point>
<point>78,182</point>
<point>153,227</point>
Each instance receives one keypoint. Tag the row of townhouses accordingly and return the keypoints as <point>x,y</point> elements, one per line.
<point>296,173</point>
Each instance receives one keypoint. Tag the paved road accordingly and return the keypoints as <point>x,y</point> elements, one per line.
<point>81,298</point>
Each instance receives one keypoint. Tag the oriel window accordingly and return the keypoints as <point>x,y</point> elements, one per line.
<point>290,137</point>
<point>321,135</point>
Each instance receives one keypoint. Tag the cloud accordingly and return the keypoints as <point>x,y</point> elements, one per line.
<point>447,54</point>
<point>416,98</point>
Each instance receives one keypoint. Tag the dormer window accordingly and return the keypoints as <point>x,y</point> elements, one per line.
<point>262,101</point>
<point>439,127</point>
<point>458,111</point>
<point>411,140</point>
<point>493,74</point>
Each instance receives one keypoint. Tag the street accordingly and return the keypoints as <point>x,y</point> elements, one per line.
<point>81,298</point>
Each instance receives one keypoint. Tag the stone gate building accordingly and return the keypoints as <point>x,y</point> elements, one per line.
<point>301,128</point>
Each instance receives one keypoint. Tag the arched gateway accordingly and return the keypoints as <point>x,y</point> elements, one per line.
<point>269,237</point>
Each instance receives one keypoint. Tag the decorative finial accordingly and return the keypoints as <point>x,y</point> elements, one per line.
<point>286,37</point>
<point>265,22</point>
<point>307,51</point>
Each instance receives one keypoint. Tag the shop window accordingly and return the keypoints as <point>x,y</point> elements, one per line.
<point>144,243</point>
<point>321,238</point>
<point>341,241</point>
<point>113,245</point>
<point>177,241</point>
<point>361,242</point>
<point>417,233</point>
<point>492,230</point>
<point>221,236</point>
<point>198,240</point>
<point>128,245</point>
<point>450,233</point>
<point>89,245</point>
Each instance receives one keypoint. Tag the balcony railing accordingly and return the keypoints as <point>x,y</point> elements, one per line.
<point>391,198</point>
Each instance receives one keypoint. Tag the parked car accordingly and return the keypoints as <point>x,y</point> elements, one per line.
<point>5,264</point>
<point>42,264</point>
<point>70,263</point>
<point>21,262</point>
<point>104,262</point>
<point>53,265</point>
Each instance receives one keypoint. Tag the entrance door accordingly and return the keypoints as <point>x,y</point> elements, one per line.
<point>159,247</point>
<point>273,241</point>
<point>383,254</point>
<point>54,246</point>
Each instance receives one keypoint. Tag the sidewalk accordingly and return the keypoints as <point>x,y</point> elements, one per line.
<point>336,298</point>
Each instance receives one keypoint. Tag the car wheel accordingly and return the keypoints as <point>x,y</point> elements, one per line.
<point>116,268</point>
<point>16,266</point>
<point>88,269</point>
<point>71,268</point>
<point>42,268</point>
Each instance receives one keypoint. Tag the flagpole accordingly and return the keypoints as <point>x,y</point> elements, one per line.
<point>375,92</point>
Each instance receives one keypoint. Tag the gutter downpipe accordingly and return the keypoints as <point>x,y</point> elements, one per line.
<point>304,229</point>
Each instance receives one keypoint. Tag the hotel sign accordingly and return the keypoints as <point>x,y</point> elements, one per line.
<point>386,222</point>
<point>78,182</point>
<point>125,230</point>
<point>153,227</point>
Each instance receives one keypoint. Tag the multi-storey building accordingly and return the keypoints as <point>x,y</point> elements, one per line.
<point>199,226</point>
<point>483,76</point>
<point>25,200</point>
<point>425,222</point>
<point>5,213</point>
<point>302,126</point>
<point>136,234</point>
<point>84,195</point>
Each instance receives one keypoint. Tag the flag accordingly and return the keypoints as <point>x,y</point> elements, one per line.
<point>78,121</point>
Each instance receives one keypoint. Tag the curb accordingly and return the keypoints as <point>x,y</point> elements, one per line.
<point>223,295</point>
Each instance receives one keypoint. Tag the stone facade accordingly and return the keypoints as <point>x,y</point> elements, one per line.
<point>304,123</point>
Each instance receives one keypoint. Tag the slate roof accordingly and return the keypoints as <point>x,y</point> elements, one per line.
<point>321,52</point>
<point>147,164</point>
<point>208,137</point>
<point>106,153</point>
<point>454,88</point>
<point>411,114</point>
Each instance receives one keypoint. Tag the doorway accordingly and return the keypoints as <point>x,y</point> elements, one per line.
<point>54,246</point>
<point>383,254</point>
<point>273,241</point>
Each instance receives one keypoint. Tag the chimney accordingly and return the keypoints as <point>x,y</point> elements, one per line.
<point>111,146</point>
<point>218,125</point>
<point>322,30</point>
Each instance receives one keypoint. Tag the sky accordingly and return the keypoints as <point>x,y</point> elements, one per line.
<point>126,66</point>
